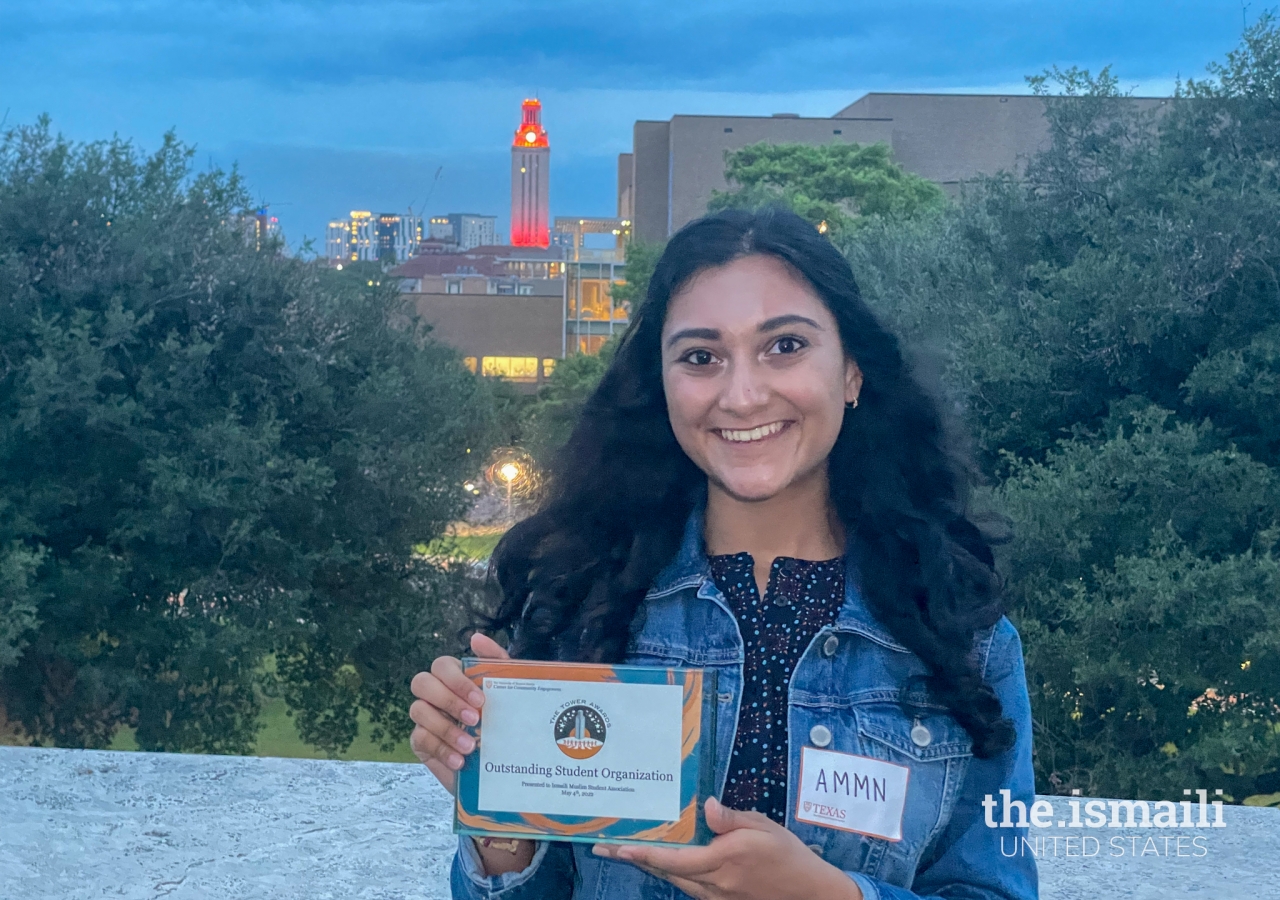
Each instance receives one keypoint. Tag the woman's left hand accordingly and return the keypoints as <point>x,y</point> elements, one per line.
<point>751,858</point>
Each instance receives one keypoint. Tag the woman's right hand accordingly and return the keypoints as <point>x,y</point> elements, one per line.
<point>446,700</point>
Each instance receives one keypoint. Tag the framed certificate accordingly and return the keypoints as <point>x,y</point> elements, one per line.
<point>597,753</point>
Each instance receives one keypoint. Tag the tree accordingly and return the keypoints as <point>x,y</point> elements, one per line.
<point>211,453</point>
<point>641,259</point>
<point>836,186</point>
<point>1108,324</point>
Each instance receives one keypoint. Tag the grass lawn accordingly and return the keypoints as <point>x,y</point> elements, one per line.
<point>466,546</point>
<point>279,737</point>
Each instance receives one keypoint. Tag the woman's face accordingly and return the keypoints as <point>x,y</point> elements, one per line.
<point>755,376</point>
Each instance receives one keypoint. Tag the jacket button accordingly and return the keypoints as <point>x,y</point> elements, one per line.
<point>816,848</point>
<point>830,645</point>
<point>820,735</point>
<point>920,735</point>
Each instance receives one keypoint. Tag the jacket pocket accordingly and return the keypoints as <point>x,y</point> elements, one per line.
<point>936,750</point>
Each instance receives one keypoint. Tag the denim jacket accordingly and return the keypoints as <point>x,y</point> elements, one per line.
<point>855,690</point>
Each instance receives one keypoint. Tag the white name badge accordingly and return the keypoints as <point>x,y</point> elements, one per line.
<point>852,793</point>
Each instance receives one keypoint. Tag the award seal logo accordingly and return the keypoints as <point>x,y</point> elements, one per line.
<point>580,730</point>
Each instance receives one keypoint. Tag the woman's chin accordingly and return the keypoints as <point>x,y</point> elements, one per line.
<point>751,490</point>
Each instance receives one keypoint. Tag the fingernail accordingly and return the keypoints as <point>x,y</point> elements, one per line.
<point>601,850</point>
<point>477,698</point>
<point>455,761</point>
<point>470,716</point>
<point>466,743</point>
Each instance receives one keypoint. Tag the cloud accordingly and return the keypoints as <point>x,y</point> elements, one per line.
<point>333,105</point>
<point>748,45</point>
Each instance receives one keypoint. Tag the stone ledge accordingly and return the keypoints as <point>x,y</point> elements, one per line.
<point>79,824</point>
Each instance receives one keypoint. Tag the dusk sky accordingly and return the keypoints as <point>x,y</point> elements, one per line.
<point>331,106</point>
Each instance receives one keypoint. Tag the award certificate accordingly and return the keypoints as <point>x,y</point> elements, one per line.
<point>589,752</point>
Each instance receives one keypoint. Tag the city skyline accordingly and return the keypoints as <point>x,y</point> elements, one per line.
<point>273,86</point>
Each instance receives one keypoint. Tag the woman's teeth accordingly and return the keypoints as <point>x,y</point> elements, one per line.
<point>753,434</point>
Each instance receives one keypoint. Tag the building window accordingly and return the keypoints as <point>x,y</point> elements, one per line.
<point>728,130</point>
<point>506,288</point>
<point>548,366</point>
<point>837,131</point>
<point>517,368</point>
<point>453,287</point>
<point>590,344</point>
<point>470,363</point>
<point>525,290</point>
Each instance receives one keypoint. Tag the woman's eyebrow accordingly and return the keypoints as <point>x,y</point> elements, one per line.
<point>789,319</point>
<point>713,334</point>
<point>706,334</point>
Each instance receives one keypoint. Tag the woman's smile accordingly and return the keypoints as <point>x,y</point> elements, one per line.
<point>752,435</point>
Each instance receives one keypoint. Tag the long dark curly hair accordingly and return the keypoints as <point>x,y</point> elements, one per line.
<point>573,575</point>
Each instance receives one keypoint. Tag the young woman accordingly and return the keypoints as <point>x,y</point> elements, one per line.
<point>759,485</point>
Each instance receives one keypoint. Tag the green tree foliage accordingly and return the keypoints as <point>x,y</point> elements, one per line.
<point>551,417</point>
<point>641,259</point>
<point>835,186</point>
<point>211,452</point>
<point>1110,322</point>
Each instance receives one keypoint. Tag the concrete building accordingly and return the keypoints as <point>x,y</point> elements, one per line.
<point>530,184</point>
<point>668,178</point>
<point>471,230</point>
<point>502,307</point>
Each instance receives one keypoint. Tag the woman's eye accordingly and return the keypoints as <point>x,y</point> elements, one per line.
<point>788,344</point>
<point>699,357</point>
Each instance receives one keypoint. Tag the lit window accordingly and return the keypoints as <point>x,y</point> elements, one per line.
<point>548,366</point>
<point>517,368</point>
<point>470,363</point>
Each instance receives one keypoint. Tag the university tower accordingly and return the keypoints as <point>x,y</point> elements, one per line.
<point>530,168</point>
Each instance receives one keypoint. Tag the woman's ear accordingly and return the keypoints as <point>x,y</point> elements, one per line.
<point>852,381</point>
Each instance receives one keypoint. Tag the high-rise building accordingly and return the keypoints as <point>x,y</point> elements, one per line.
<point>439,228</point>
<point>530,173</point>
<point>470,230</point>
<point>368,237</point>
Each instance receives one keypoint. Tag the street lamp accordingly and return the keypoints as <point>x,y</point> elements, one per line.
<point>513,471</point>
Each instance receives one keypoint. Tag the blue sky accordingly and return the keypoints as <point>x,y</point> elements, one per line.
<point>330,106</point>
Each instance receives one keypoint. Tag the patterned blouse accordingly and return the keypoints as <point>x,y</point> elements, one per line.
<point>801,598</point>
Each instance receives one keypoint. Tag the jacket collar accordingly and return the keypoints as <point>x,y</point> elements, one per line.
<point>690,567</point>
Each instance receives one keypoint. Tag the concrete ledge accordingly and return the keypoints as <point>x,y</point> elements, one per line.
<point>88,824</point>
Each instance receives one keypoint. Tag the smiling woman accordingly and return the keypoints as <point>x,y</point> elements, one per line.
<point>761,486</point>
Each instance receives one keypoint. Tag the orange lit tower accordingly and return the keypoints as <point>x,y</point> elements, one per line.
<point>530,168</point>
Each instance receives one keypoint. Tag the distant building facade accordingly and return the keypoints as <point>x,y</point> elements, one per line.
<point>530,185</point>
<point>365,236</point>
<point>470,230</point>
<point>668,178</point>
<point>513,311</point>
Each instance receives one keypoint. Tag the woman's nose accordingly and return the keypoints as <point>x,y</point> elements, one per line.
<point>745,388</point>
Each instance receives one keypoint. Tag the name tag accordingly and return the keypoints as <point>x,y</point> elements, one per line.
<point>852,793</point>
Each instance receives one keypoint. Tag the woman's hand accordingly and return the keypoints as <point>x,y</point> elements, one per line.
<point>446,699</point>
<point>752,858</point>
